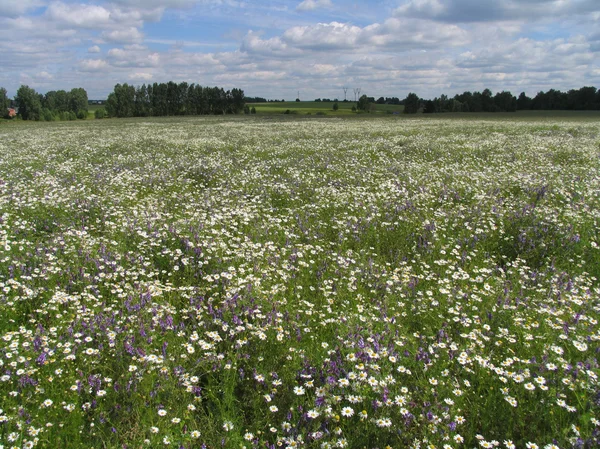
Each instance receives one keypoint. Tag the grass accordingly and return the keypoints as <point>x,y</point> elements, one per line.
<point>276,281</point>
<point>316,107</point>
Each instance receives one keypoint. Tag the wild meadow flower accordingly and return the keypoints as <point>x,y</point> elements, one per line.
<point>347,412</point>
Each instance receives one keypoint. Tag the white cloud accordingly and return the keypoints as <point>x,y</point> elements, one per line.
<point>140,76</point>
<point>92,65</point>
<point>125,35</point>
<point>134,56</point>
<point>458,11</point>
<point>94,49</point>
<point>392,35</point>
<point>16,8</point>
<point>157,3</point>
<point>79,16</point>
<point>309,5</point>
<point>45,75</point>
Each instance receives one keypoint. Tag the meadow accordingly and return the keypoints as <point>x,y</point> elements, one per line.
<point>300,283</point>
<point>321,108</point>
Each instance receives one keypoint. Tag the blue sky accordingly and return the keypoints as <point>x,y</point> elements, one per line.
<point>276,48</point>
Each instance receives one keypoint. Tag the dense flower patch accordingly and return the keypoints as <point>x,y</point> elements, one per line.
<point>337,283</point>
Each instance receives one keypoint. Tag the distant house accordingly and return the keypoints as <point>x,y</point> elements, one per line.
<point>11,113</point>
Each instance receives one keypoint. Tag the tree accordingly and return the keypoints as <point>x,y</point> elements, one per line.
<point>429,107</point>
<point>237,99</point>
<point>363,103</point>
<point>78,102</point>
<point>121,102</point>
<point>4,102</point>
<point>411,103</point>
<point>505,101</point>
<point>335,106</point>
<point>523,102</point>
<point>29,104</point>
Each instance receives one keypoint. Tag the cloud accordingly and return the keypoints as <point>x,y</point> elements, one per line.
<point>461,11</point>
<point>94,49</point>
<point>134,56</point>
<point>157,3</point>
<point>143,76</point>
<point>17,8</point>
<point>392,35</point>
<point>78,16</point>
<point>123,36</point>
<point>310,5</point>
<point>92,65</point>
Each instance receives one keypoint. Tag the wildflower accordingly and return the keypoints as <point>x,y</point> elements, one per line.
<point>227,426</point>
<point>347,412</point>
<point>298,391</point>
<point>383,422</point>
<point>154,429</point>
<point>162,412</point>
<point>195,434</point>
<point>313,414</point>
<point>248,436</point>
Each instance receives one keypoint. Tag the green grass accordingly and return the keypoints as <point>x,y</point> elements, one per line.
<point>317,107</point>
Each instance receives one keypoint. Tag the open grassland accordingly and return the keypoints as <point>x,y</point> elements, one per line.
<point>229,282</point>
<point>321,108</point>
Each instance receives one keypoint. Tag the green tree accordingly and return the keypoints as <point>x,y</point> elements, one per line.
<point>523,102</point>
<point>29,104</point>
<point>336,106</point>
<point>78,102</point>
<point>363,103</point>
<point>121,102</point>
<point>4,102</point>
<point>411,103</point>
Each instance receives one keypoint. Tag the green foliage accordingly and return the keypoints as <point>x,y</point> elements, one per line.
<point>363,103</point>
<point>336,106</point>
<point>411,103</point>
<point>166,99</point>
<point>29,104</point>
<point>4,102</point>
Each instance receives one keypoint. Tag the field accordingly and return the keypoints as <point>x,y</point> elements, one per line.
<point>321,108</point>
<point>300,283</point>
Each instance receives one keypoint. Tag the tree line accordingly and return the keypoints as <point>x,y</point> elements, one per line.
<point>54,105</point>
<point>583,99</point>
<point>163,99</point>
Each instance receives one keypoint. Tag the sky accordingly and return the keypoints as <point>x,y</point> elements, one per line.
<point>275,49</point>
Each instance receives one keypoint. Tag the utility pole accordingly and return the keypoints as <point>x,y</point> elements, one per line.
<point>345,90</point>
